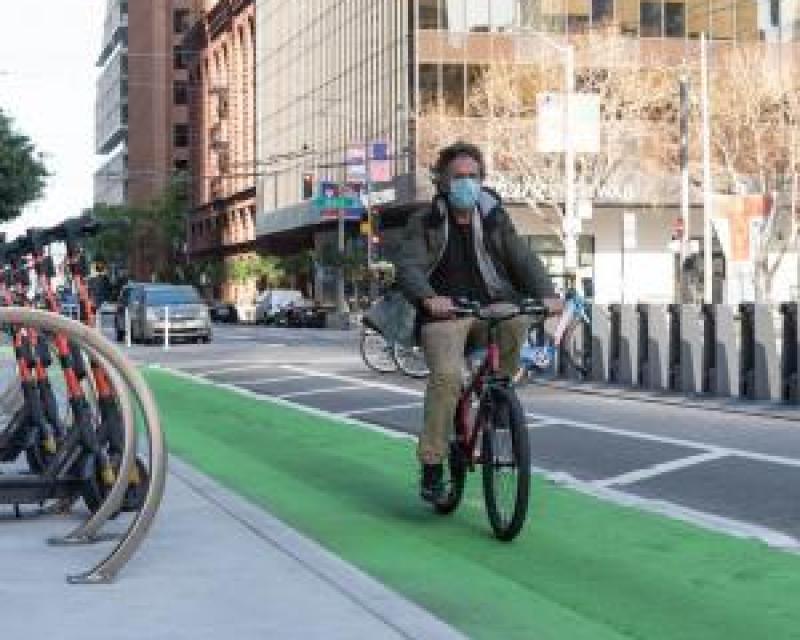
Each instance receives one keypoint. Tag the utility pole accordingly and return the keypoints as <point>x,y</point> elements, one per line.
<point>570,215</point>
<point>684,153</point>
<point>368,206</point>
<point>708,198</point>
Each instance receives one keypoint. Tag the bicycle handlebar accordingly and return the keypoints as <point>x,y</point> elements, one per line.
<point>502,311</point>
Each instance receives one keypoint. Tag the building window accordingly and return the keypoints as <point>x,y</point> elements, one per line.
<point>453,87</point>
<point>123,115</point>
<point>775,13</point>
<point>428,86</point>
<point>478,15</point>
<point>452,15</point>
<point>123,7</point>
<point>475,74</point>
<point>180,20</point>
<point>180,92</point>
<point>180,57</point>
<point>650,20</point>
<point>502,14</point>
<point>675,19</point>
<point>429,14</point>
<point>180,135</point>
<point>602,11</point>
<point>181,165</point>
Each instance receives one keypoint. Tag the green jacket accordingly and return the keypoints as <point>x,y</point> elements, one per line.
<point>513,271</point>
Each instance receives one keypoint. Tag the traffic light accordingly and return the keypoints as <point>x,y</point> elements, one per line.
<point>308,186</point>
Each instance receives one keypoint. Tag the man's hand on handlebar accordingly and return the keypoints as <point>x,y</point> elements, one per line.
<point>439,306</point>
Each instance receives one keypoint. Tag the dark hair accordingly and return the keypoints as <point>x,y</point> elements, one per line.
<point>450,153</point>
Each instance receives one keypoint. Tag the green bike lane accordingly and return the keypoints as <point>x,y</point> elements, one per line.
<point>581,568</point>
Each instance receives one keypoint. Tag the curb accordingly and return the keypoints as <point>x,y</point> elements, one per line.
<point>397,612</point>
<point>403,616</point>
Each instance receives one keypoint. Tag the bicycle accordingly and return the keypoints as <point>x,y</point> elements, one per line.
<point>79,455</point>
<point>535,356</point>
<point>569,343</point>
<point>376,351</point>
<point>410,360</point>
<point>490,430</point>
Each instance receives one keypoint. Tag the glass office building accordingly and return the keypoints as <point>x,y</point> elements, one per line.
<point>332,74</point>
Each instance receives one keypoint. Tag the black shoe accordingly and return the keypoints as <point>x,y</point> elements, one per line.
<point>432,488</point>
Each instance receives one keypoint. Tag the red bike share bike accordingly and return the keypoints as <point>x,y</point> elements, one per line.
<point>490,430</point>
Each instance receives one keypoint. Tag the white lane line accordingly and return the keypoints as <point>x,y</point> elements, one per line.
<point>197,367</point>
<point>236,369</point>
<point>269,380</point>
<point>551,420</point>
<point>366,383</point>
<point>632,477</point>
<point>314,392</point>
<point>274,400</point>
<point>709,521</point>
<point>391,407</point>
<point>692,444</point>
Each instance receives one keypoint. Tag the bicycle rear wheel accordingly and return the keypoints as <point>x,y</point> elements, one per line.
<point>377,352</point>
<point>411,361</point>
<point>506,463</point>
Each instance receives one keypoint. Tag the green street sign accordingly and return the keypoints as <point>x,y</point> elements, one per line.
<point>338,202</point>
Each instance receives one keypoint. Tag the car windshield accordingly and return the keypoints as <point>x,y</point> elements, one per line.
<point>178,295</point>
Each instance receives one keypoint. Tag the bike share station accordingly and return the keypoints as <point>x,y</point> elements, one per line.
<point>80,442</point>
<point>746,352</point>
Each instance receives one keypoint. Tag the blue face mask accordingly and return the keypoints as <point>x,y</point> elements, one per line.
<point>464,193</point>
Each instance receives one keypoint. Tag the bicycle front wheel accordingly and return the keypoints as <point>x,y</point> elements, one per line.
<point>506,463</point>
<point>376,352</point>
<point>411,361</point>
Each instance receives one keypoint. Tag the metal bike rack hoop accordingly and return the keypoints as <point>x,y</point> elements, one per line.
<point>107,569</point>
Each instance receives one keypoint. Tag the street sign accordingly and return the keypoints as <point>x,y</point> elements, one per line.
<point>380,166</point>
<point>356,162</point>
<point>583,132</point>
<point>678,228</point>
<point>382,196</point>
<point>333,198</point>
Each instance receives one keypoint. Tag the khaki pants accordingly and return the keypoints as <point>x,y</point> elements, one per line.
<point>444,343</point>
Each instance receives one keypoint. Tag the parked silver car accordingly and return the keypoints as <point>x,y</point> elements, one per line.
<point>149,305</point>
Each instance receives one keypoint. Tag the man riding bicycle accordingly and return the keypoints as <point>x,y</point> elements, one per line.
<point>463,246</point>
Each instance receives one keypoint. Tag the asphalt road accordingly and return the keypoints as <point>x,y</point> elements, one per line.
<point>730,472</point>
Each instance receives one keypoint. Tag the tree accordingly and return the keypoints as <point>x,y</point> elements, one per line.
<point>22,172</point>
<point>755,146</point>
<point>158,228</point>
<point>297,267</point>
<point>265,270</point>
<point>502,118</point>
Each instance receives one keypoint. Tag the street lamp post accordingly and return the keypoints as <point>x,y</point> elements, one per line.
<point>570,223</point>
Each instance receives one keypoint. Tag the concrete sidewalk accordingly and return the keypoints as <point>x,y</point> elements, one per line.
<point>214,566</point>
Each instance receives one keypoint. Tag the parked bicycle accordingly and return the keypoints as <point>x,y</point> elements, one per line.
<point>73,447</point>
<point>569,343</point>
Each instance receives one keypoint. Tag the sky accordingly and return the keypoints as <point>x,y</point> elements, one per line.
<point>47,85</point>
